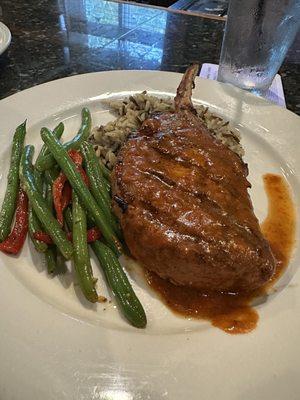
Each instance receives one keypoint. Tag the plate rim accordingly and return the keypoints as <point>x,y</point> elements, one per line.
<point>198,78</point>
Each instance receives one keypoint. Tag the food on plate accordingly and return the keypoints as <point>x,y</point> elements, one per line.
<point>120,286</point>
<point>164,180</point>
<point>63,217</point>
<point>40,206</point>
<point>11,194</point>
<point>132,111</point>
<point>97,185</point>
<point>182,201</point>
<point>34,224</point>
<point>48,161</point>
<point>15,240</point>
<point>75,178</point>
<point>82,260</point>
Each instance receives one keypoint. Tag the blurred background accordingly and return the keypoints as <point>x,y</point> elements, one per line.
<point>52,39</point>
<point>212,7</point>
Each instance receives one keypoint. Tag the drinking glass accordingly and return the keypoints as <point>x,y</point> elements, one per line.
<point>258,34</point>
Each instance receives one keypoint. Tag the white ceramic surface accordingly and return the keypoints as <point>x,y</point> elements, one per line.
<point>5,37</point>
<point>53,345</point>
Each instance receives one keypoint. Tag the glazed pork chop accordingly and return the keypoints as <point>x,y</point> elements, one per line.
<point>183,203</point>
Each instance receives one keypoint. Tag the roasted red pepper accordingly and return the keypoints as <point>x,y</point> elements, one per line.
<point>66,195</point>
<point>93,234</point>
<point>14,242</point>
<point>43,237</point>
<point>76,157</point>
<point>62,191</point>
<point>57,190</point>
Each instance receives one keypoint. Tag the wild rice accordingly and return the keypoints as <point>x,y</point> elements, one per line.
<point>132,111</point>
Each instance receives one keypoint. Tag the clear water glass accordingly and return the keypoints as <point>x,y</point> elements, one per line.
<point>258,34</point>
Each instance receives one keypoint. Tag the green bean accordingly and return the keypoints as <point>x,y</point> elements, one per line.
<point>52,174</point>
<point>82,261</point>
<point>51,259</point>
<point>105,171</point>
<point>107,184</point>
<point>40,206</point>
<point>96,185</point>
<point>38,175</point>
<point>34,226</point>
<point>61,267</point>
<point>106,177</point>
<point>68,218</point>
<point>57,132</point>
<point>51,253</point>
<point>49,197</point>
<point>75,179</point>
<point>39,179</point>
<point>83,134</point>
<point>10,199</point>
<point>122,290</point>
<point>92,165</point>
<point>33,222</point>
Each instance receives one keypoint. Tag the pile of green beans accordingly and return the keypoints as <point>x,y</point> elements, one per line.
<point>69,168</point>
<point>90,205</point>
<point>34,224</point>
<point>98,185</point>
<point>48,161</point>
<point>40,206</point>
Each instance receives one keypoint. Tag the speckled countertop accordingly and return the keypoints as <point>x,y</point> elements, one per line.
<point>53,39</point>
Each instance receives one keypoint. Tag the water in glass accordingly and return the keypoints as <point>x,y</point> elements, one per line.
<point>257,37</point>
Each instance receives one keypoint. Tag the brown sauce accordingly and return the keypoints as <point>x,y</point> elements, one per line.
<point>280,225</point>
<point>233,312</point>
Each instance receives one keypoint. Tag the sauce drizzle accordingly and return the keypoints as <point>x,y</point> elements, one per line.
<point>232,312</point>
<point>280,225</point>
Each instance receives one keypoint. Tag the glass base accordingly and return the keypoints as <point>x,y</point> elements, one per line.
<point>258,91</point>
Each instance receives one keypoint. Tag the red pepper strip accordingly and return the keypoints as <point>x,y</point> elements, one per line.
<point>62,192</point>
<point>43,237</point>
<point>76,157</point>
<point>57,190</point>
<point>93,234</point>
<point>15,240</point>
<point>66,196</point>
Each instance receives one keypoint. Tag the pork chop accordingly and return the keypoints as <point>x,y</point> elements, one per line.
<point>183,203</point>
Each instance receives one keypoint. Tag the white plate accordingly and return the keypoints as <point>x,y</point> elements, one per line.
<point>5,37</point>
<point>54,346</point>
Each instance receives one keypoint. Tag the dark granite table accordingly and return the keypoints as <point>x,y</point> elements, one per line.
<point>53,39</point>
